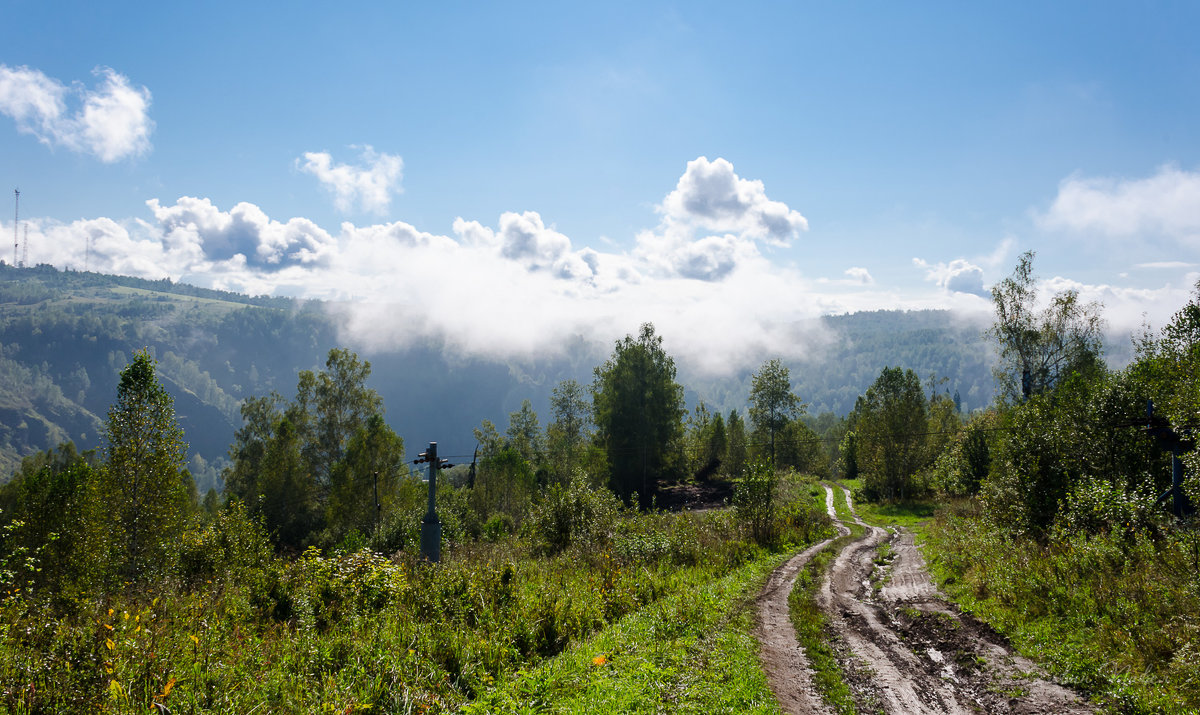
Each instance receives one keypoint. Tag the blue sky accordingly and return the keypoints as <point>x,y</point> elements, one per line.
<point>720,169</point>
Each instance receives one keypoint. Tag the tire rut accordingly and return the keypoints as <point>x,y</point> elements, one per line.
<point>904,650</point>
<point>780,653</point>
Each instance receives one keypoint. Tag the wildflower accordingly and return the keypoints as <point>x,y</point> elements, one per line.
<point>599,660</point>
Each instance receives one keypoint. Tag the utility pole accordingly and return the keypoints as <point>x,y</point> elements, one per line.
<point>378,506</point>
<point>16,222</point>
<point>431,528</point>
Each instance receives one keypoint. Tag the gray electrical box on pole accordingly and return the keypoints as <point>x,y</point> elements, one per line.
<point>431,528</point>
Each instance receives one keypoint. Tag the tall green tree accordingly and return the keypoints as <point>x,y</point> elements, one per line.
<point>772,403</point>
<point>143,481</point>
<point>568,434</point>
<point>638,409</point>
<point>1039,348</point>
<point>736,453</point>
<point>706,442</point>
<point>524,433</point>
<point>260,422</point>
<point>331,406</point>
<point>372,469</point>
<point>287,498</point>
<point>310,463</point>
<point>798,447</point>
<point>891,423</point>
<point>848,453</point>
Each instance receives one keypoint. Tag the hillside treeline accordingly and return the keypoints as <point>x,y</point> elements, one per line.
<point>65,336</point>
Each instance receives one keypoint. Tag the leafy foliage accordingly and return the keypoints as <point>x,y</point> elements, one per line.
<point>142,483</point>
<point>1039,349</point>
<point>890,429</point>
<point>772,404</point>
<point>638,409</point>
<point>310,468</point>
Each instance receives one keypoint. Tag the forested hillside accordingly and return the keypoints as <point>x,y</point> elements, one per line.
<point>64,337</point>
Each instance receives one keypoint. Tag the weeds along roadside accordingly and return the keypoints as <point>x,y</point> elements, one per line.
<point>1116,615</point>
<point>353,631</point>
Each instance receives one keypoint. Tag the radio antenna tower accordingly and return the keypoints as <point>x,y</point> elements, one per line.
<point>16,221</point>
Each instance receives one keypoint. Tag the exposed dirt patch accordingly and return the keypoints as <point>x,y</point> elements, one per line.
<point>694,496</point>
<point>904,650</point>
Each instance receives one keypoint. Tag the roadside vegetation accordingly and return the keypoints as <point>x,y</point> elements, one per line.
<point>606,556</point>
<point>1064,533</point>
<point>297,590</point>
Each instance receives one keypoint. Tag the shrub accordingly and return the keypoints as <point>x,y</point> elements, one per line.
<point>1096,506</point>
<point>754,501</point>
<point>231,544</point>
<point>573,514</point>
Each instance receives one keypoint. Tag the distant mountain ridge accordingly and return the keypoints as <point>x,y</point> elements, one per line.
<point>65,335</point>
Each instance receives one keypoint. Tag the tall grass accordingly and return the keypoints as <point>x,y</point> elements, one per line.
<point>1115,614</point>
<point>354,631</point>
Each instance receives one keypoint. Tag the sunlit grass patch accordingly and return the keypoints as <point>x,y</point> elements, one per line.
<point>690,653</point>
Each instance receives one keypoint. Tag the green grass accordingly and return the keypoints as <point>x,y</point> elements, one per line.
<point>1116,617</point>
<point>691,653</point>
<point>911,514</point>
<point>655,618</point>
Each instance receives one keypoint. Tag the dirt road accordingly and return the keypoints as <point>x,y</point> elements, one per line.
<point>903,649</point>
<point>782,657</point>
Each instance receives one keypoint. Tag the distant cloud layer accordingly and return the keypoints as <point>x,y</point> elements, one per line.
<point>111,122</point>
<point>1166,204</point>
<point>369,186</point>
<point>515,288</point>
<point>520,287</point>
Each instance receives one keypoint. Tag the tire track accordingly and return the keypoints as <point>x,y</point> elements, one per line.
<point>780,653</point>
<point>912,652</point>
<point>904,650</point>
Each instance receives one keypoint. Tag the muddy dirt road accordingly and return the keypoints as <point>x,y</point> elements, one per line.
<point>903,649</point>
<point>782,657</point>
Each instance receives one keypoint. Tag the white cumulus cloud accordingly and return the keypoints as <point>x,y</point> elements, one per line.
<point>710,196</point>
<point>369,186</point>
<point>957,276</point>
<point>112,121</point>
<point>860,275</point>
<point>712,222</point>
<point>196,228</point>
<point>1166,204</point>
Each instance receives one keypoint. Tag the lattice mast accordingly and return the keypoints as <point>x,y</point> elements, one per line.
<point>16,222</point>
